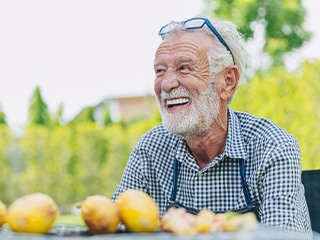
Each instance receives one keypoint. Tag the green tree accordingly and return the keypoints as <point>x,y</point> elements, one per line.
<point>58,178</point>
<point>34,145</point>
<point>45,155</point>
<point>38,110</point>
<point>89,155</point>
<point>122,138</point>
<point>281,21</point>
<point>6,142</point>
<point>85,115</point>
<point>119,152</point>
<point>2,117</point>
<point>106,118</point>
<point>292,101</point>
<point>57,118</point>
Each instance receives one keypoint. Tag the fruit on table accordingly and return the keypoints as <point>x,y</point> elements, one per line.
<point>138,211</point>
<point>33,213</point>
<point>100,214</point>
<point>239,222</point>
<point>203,221</point>
<point>3,213</point>
<point>180,222</point>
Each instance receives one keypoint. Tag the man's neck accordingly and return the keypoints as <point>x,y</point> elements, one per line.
<point>207,146</point>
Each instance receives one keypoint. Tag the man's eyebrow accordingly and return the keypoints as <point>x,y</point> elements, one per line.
<point>158,63</point>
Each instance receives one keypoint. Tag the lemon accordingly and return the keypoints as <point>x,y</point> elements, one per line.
<point>100,214</point>
<point>138,211</point>
<point>33,213</point>
<point>3,213</point>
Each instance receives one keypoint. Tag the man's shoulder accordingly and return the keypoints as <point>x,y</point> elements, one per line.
<point>258,127</point>
<point>156,137</point>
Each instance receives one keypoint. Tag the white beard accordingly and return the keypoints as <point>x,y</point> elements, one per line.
<point>194,120</point>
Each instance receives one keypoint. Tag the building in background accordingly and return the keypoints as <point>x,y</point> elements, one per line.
<point>128,108</point>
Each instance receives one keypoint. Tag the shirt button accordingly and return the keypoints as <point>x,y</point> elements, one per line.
<point>200,175</point>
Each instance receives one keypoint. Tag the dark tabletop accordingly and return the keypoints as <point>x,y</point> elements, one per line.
<point>77,233</point>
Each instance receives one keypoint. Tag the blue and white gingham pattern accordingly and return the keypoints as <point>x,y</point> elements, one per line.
<point>273,172</point>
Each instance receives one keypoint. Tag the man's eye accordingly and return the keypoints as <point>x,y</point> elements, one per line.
<point>184,68</point>
<point>159,71</point>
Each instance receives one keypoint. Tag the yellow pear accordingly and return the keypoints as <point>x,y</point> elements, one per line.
<point>138,211</point>
<point>3,213</point>
<point>33,213</point>
<point>100,214</point>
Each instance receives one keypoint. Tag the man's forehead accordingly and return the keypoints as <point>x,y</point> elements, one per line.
<point>177,59</point>
<point>196,36</point>
<point>185,41</point>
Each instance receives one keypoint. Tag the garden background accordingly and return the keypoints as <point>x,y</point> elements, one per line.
<point>86,155</point>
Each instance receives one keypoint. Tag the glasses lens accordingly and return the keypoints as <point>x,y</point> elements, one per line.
<point>194,23</point>
<point>167,28</point>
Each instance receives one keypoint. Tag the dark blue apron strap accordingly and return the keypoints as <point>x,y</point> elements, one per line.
<point>175,180</point>
<point>244,182</point>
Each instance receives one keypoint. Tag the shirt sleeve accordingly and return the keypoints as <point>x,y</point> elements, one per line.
<point>133,177</point>
<point>283,201</point>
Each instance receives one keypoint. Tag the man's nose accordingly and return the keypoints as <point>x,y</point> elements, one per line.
<point>170,81</point>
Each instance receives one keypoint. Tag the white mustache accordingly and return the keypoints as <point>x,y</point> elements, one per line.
<point>176,93</point>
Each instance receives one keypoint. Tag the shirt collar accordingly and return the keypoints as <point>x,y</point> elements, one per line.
<point>235,145</point>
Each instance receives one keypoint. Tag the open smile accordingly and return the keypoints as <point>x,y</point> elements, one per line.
<point>176,102</point>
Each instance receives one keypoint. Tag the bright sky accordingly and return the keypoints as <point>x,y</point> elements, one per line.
<point>81,52</point>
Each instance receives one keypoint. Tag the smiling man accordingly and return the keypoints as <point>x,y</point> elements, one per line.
<point>205,155</point>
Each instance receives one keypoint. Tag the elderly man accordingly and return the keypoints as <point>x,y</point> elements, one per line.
<point>205,155</point>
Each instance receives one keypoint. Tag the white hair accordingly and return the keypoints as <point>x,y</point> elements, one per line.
<point>219,57</point>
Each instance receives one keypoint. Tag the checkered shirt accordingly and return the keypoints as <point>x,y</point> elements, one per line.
<point>273,172</point>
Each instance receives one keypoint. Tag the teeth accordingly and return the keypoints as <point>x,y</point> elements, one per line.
<point>175,101</point>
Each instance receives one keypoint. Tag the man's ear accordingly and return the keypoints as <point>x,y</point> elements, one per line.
<point>231,80</point>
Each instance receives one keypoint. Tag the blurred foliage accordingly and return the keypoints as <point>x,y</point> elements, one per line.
<point>292,101</point>
<point>74,219</point>
<point>86,115</point>
<point>57,117</point>
<point>106,116</point>
<point>2,117</point>
<point>281,21</point>
<point>38,110</point>
<point>68,161</point>
<point>6,142</point>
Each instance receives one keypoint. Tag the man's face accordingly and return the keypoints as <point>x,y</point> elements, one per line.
<point>187,98</point>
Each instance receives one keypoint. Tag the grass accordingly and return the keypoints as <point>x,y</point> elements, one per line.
<point>73,219</point>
